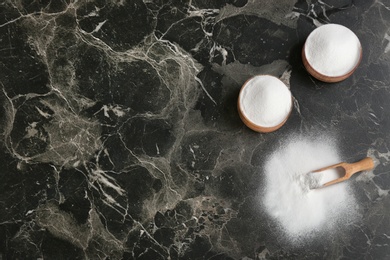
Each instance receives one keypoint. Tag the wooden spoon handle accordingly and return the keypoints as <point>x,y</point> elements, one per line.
<point>362,165</point>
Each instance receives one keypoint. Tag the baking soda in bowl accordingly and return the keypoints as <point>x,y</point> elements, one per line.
<point>265,101</point>
<point>332,50</point>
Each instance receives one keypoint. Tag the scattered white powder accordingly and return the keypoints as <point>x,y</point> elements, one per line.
<point>333,50</point>
<point>265,100</point>
<point>301,211</point>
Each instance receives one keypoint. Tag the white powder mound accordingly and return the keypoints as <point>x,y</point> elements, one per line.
<point>265,100</point>
<point>301,211</point>
<point>333,50</point>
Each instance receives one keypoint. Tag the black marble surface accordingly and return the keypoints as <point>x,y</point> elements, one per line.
<point>120,137</point>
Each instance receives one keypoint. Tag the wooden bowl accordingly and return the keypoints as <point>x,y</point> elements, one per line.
<point>251,124</point>
<point>330,36</point>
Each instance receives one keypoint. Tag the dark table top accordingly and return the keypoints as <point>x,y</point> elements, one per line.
<point>121,139</point>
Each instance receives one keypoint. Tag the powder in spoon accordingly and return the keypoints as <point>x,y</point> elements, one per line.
<point>332,50</point>
<point>265,100</point>
<point>300,211</point>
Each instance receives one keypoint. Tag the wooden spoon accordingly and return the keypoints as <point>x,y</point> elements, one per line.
<point>349,168</point>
